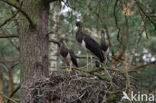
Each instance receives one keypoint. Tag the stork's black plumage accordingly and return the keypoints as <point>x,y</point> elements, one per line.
<point>67,54</point>
<point>103,45</point>
<point>88,43</point>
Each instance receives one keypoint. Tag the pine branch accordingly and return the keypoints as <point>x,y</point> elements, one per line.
<point>9,19</point>
<point>23,12</point>
<point>145,14</point>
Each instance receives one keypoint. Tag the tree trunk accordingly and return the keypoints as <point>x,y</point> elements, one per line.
<point>53,48</point>
<point>33,43</point>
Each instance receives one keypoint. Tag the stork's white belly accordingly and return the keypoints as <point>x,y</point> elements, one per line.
<point>83,44</point>
<point>69,59</point>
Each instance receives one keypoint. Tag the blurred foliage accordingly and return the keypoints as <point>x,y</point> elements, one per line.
<point>95,16</point>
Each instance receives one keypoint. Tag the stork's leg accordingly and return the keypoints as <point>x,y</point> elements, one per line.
<point>70,66</point>
<point>91,58</point>
<point>105,55</point>
<point>87,61</point>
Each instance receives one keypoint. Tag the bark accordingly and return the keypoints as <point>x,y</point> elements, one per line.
<point>126,54</point>
<point>33,43</point>
<point>53,48</point>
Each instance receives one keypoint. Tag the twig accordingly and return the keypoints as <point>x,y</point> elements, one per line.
<point>144,65</point>
<point>135,46</point>
<point>67,4</point>
<point>9,36</point>
<point>12,100</point>
<point>143,23</point>
<point>4,66</point>
<point>125,74</point>
<point>12,94</point>
<point>54,41</point>
<point>146,15</point>
<point>8,61</point>
<point>116,21</point>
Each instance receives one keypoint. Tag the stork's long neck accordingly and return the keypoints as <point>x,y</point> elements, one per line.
<point>79,34</point>
<point>102,37</point>
<point>79,29</point>
<point>61,45</point>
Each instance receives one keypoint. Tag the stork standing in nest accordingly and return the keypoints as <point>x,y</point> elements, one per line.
<point>103,46</point>
<point>88,43</point>
<point>67,54</point>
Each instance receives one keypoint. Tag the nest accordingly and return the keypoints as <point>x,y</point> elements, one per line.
<point>73,87</point>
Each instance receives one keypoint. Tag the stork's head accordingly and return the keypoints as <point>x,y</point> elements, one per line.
<point>62,40</point>
<point>102,31</point>
<point>78,24</point>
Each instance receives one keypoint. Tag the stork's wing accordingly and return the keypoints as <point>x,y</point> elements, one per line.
<point>94,47</point>
<point>73,58</point>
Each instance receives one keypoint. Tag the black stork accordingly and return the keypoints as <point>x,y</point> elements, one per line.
<point>67,54</point>
<point>103,46</point>
<point>88,43</point>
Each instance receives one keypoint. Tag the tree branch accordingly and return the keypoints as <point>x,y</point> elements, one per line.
<point>146,15</point>
<point>23,12</point>
<point>144,65</point>
<point>8,61</point>
<point>12,94</point>
<point>116,21</point>
<point>9,36</point>
<point>54,41</point>
<point>12,100</point>
<point>4,66</point>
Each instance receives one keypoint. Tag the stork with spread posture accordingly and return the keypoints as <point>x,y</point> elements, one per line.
<point>88,43</point>
<point>68,55</point>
